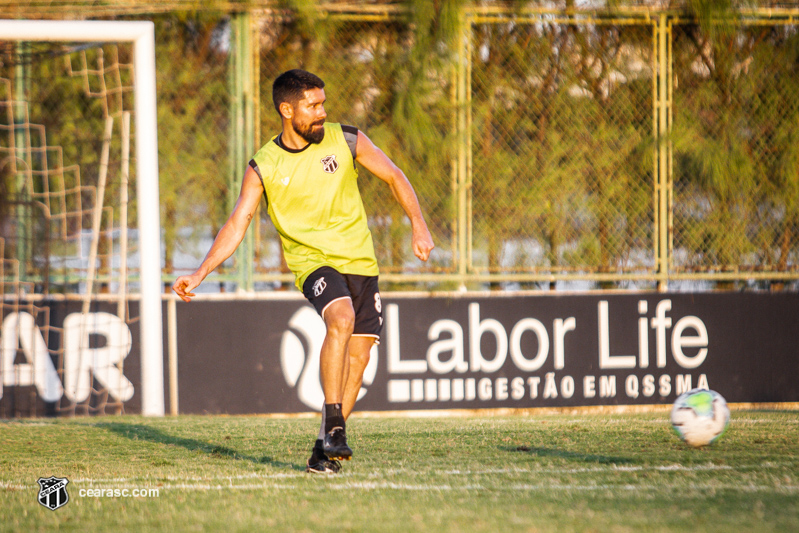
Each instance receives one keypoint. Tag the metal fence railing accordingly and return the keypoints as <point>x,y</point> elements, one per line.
<point>596,150</point>
<point>560,149</point>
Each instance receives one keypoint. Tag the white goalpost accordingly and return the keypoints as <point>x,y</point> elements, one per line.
<point>141,35</point>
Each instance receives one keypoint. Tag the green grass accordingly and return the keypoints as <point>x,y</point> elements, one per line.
<point>565,472</point>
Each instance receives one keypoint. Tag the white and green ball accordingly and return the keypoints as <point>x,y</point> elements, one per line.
<point>700,416</point>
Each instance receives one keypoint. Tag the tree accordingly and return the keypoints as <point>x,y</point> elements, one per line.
<point>735,147</point>
<point>193,99</point>
<point>562,145</point>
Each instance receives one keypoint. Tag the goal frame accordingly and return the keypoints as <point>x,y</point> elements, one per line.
<point>142,35</point>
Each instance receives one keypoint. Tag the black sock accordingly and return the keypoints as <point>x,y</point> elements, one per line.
<point>333,416</point>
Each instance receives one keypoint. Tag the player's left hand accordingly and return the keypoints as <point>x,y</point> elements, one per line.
<point>422,242</point>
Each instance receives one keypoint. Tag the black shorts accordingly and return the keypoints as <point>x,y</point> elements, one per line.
<point>326,285</point>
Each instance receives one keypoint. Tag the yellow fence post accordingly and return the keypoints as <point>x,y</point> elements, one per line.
<point>663,156</point>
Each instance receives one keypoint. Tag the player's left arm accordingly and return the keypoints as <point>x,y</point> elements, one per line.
<point>378,163</point>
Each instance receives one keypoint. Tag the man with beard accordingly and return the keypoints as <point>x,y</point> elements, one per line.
<point>308,177</point>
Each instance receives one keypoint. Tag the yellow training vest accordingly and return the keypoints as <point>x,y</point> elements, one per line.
<point>314,202</point>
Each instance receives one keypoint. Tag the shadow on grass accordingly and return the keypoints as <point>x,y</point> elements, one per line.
<point>146,433</point>
<point>571,456</point>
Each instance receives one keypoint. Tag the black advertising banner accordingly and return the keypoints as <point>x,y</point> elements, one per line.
<point>498,351</point>
<point>458,351</point>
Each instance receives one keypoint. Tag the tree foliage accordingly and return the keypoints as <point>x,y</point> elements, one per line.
<point>193,118</point>
<point>562,144</point>
<point>736,147</point>
<point>561,137</point>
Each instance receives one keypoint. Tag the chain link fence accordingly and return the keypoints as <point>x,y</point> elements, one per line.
<point>562,146</point>
<point>371,83</point>
<point>736,149</point>
<point>531,137</point>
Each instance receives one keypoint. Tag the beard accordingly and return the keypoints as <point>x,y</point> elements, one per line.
<point>308,133</point>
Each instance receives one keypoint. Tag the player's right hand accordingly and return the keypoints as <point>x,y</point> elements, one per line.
<point>184,285</point>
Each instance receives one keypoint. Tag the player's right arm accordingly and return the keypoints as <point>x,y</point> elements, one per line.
<point>228,238</point>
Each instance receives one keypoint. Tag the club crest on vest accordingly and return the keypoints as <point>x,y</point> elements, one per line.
<point>330,164</point>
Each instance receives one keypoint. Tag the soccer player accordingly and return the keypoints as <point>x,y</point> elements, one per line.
<point>308,177</point>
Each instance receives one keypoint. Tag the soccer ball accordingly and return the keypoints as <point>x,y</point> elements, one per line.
<point>700,416</point>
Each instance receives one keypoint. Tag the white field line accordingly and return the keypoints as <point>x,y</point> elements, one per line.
<point>737,420</point>
<point>231,482</point>
<point>207,479</point>
<point>709,488</point>
<point>616,468</point>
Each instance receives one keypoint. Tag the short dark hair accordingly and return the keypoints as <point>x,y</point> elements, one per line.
<point>291,86</point>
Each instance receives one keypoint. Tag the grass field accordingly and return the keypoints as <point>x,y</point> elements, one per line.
<point>548,472</point>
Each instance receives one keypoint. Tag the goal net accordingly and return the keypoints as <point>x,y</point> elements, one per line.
<point>80,314</point>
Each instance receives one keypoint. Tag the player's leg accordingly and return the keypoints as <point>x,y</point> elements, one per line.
<point>359,351</point>
<point>334,362</point>
<point>349,303</point>
<point>333,369</point>
<point>358,354</point>
<point>326,289</point>
<point>366,332</point>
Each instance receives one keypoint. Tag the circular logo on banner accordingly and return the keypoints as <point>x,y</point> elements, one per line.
<point>300,360</point>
